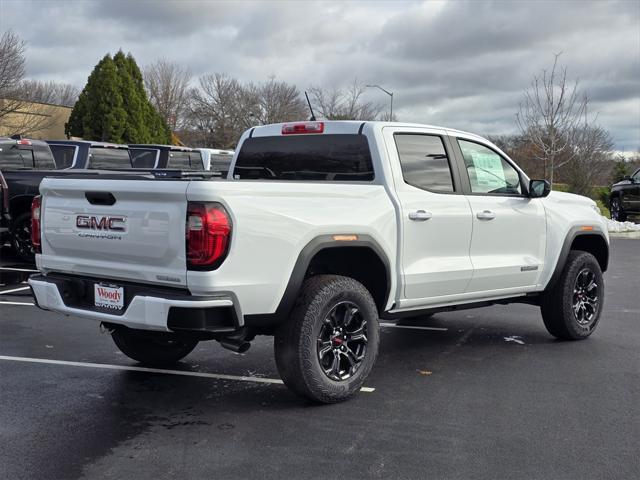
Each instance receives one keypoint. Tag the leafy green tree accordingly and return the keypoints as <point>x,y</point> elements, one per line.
<point>113,106</point>
<point>621,169</point>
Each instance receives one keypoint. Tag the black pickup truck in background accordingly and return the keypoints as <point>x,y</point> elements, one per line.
<point>165,156</point>
<point>24,163</point>
<point>83,154</point>
<point>625,198</point>
<point>5,218</point>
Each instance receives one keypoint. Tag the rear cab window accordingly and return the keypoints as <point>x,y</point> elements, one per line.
<point>185,161</point>
<point>144,157</point>
<point>64,155</point>
<point>43,157</point>
<point>28,155</point>
<point>11,156</point>
<point>105,158</point>
<point>330,157</point>
<point>220,163</point>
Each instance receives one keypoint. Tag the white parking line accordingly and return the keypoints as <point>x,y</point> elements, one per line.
<point>11,269</point>
<point>17,303</point>
<point>416,327</point>
<point>217,376</point>
<point>15,290</point>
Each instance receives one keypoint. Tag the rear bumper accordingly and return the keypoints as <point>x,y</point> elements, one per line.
<point>146,307</point>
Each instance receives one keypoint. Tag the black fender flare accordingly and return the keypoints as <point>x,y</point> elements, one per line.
<point>574,233</point>
<point>297,277</point>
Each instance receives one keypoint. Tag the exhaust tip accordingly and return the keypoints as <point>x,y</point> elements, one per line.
<point>237,346</point>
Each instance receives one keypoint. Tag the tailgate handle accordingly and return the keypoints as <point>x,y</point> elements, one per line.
<point>100,198</point>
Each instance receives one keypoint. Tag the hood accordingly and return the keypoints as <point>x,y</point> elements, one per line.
<point>569,198</point>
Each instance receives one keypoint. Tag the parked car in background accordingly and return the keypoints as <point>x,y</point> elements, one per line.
<point>165,156</point>
<point>5,218</point>
<point>625,197</point>
<point>83,154</point>
<point>216,160</point>
<point>23,165</point>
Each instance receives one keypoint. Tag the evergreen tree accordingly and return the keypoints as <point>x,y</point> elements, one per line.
<point>113,106</point>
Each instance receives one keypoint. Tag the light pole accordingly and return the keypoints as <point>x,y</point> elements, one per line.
<point>388,93</point>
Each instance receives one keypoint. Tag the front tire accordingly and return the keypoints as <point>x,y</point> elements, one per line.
<point>152,348</point>
<point>571,311</point>
<point>327,348</point>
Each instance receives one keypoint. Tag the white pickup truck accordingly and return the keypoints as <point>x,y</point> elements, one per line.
<point>319,230</point>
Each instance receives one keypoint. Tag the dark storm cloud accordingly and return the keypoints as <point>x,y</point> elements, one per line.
<point>460,64</point>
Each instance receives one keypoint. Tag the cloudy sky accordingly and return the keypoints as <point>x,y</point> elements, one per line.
<point>462,64</point>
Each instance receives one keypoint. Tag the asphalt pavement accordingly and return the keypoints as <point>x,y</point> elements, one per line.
<point>482,394</point>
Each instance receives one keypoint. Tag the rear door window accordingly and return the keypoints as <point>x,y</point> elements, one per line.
<point>101,158</point>
<point>424,162</point>
<point>332,157</point>
<point>63,155</point>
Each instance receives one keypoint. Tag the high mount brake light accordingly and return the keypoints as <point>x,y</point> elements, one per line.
<point>208,235</point>
<point>23,142</point>
<point>36,242</point>
<point>301,128</point>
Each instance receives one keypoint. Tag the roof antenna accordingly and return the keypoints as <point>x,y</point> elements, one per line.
<point>313,116</point>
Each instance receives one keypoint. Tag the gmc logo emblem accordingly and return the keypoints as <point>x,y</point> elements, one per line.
<point>115,224</point>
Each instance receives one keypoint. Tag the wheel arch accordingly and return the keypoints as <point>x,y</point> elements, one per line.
<point>19,205</point>
<point>362,259</point>
<point>591,241</point>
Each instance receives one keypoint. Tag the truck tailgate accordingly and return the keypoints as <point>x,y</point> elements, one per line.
<point>115,229</point>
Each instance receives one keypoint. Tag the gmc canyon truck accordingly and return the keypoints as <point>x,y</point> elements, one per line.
<point>319,230</point>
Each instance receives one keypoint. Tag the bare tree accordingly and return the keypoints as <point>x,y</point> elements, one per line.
<point>344,104</point>
<point>221,108</point>
<point>12,70</point>
<point>549,114</point>
<point>168,86</point>
<point>275,102</point>
<point>215,110</point>
<point>590,158</point>
<point>24,104</point>
<point>50,92</point>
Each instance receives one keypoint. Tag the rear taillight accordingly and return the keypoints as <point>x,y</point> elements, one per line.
<point>301,128</point>
<point>36,203</point>
<point>208,235</point>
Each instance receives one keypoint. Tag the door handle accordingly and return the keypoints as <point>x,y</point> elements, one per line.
<point>486,215</point>
<point>419,215</point>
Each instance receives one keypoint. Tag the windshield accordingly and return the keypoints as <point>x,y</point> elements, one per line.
<point>105,158</point>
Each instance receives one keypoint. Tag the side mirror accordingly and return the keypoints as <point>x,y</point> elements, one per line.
<point>627,177</point>
<point>539,188</point>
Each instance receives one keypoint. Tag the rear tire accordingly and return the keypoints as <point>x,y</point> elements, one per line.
<point>327,348</point>
<point>617,212</point>
<point>21,238</point>
<point>152,348</point>
<point>571,311</point>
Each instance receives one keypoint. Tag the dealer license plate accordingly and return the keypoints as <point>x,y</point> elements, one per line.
<point>108,296</point>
